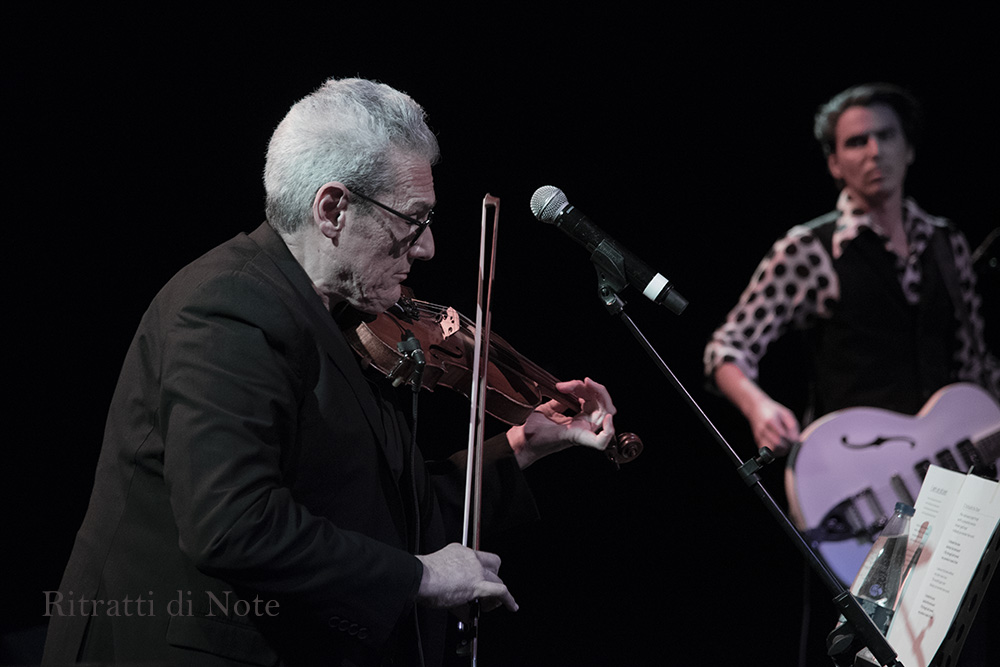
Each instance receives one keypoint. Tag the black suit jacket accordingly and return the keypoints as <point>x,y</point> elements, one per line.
<point>253,498</point>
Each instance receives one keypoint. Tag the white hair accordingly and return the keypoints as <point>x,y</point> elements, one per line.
<point>347,130</point>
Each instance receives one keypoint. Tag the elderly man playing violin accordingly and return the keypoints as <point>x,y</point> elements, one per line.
<point>258,499</point>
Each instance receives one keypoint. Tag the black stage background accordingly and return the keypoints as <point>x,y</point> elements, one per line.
<point>138,143</point>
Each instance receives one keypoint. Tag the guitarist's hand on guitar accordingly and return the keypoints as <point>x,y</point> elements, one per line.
<point>773,425</point>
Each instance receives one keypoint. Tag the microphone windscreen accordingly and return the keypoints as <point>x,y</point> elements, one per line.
<point>547,203</point>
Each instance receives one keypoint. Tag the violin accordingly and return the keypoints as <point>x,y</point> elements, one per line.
<point>515,385</point>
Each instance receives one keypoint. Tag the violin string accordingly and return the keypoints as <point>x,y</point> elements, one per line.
<point>503,356</point>
<point>508,361</point>
<point>508,356</point>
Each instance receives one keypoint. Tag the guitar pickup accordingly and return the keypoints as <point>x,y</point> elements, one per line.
<point>899,486</point>
<point>947,460</point>
<point>969,454</point>
<point>875,517</point>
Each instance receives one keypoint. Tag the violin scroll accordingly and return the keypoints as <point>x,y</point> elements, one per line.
<point>625,448</point>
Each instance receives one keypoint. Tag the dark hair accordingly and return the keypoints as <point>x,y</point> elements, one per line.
<point>866,95</point>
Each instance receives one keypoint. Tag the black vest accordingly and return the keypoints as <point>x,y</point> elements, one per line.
<point>877,349</point>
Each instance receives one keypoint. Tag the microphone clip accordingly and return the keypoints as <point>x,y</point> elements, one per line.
<point>610,266</point>
<point>411,364</point>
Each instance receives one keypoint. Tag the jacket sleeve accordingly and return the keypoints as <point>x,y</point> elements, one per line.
<point>507,501</point>
<point>794,283</point>
<point>977,363</point>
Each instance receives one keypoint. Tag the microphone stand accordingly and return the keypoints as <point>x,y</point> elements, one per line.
<point>611,279</point>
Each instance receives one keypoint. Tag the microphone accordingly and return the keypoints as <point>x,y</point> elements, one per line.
<point>549,205</point>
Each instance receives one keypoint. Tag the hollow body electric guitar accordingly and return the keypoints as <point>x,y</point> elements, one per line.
<point>852,466</point>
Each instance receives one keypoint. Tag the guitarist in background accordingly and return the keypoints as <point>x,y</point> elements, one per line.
<point>885,293</point>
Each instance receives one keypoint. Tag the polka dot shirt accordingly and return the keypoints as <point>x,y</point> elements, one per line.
<point>796,283</point>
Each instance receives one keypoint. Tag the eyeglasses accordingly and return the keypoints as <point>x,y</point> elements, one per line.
<point>421,225</point>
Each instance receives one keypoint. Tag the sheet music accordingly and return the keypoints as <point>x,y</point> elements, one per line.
<point>962,512</point>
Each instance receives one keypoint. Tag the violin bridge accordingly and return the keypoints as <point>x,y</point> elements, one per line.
<point>449,321</point>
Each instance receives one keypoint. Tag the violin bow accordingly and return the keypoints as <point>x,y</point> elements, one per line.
<point>474,470</point>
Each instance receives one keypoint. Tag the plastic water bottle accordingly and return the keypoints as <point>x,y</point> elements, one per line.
<point>878,581</point>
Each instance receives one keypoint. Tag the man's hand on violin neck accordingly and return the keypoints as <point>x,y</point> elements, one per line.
<point>547,430</point>
<point>457,575</point>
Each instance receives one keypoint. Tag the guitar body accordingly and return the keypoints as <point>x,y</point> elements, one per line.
<point>852,467</point>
